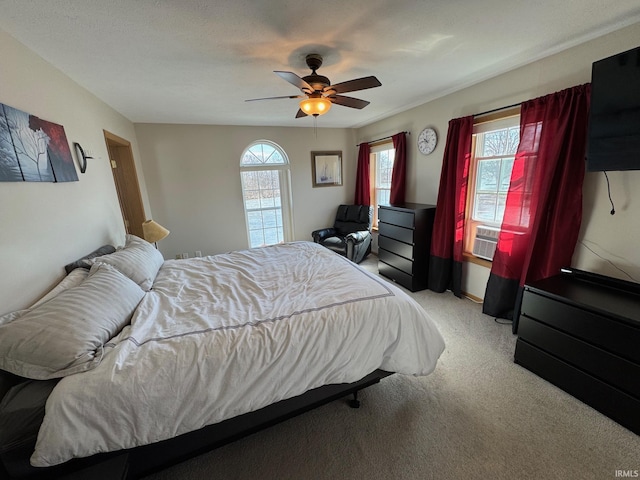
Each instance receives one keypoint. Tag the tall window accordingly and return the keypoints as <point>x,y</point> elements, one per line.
<point>266,190</point>
<point>381,168</point>
<point>495,142</point>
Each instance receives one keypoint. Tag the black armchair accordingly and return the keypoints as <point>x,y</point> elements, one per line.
<point>351,232</point>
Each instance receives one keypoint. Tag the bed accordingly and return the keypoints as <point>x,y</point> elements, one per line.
<point>144,362</point>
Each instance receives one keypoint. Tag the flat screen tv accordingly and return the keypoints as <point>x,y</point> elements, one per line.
<point>614,118</point>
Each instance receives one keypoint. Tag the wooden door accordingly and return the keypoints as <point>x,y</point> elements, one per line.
<point>125,177</point>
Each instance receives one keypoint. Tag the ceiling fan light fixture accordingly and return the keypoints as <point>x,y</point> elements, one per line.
<point>315,106</point>
<point>320,92</point>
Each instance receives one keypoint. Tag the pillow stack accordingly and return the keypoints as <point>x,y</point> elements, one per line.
<point>65,332</point>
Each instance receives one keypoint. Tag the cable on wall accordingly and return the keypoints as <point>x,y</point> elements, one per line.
<point>605,259</point>
<point>613,208</point>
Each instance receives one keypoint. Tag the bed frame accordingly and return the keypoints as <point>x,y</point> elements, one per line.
<point>137,462</point>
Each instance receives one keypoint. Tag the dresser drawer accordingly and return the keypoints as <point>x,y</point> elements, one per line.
<point>396,275</point>
<point>399,233</point>
<point>395,217</point>
<point>399,248</point>
<point>621,407</point>
<point>396,261</point>
<point>606,366</point>
<point>604,332</point>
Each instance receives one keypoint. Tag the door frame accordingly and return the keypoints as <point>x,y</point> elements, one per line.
<point>125,178</point>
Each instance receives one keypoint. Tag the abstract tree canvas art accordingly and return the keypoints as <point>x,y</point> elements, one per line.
<point>32,149</point>
<point>9,167</point>
<point>57,150</point>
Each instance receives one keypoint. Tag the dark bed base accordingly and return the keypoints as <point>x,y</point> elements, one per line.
<point>140,461</point>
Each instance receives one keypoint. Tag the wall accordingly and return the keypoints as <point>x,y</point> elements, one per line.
<point>607,243</point>
<point>46,225</point>
<point>193,179</point>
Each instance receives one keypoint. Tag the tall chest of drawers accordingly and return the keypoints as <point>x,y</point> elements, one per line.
<point>404,243</point>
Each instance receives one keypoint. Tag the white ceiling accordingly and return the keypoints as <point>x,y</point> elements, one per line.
<point>196,61</point>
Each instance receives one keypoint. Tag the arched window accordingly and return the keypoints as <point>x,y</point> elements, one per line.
<point>266,190</point>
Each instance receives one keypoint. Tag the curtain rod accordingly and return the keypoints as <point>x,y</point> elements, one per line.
<point>497,109</point>
<point>475,115</point>
<point>383,138</point>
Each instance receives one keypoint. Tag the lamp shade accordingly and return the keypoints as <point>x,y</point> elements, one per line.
<point>153,231</point>
<point>315,106</point>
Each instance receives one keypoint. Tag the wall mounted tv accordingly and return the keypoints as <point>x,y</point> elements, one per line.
<point>614,118</point>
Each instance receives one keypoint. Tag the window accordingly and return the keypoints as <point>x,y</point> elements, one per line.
<point>381,169</point>
<point>266,190</point>
<point>495,142</point>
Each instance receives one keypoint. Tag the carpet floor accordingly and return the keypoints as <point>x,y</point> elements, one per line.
<point>478,416</point>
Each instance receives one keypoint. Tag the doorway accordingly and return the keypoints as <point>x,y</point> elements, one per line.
<point>125,178</point>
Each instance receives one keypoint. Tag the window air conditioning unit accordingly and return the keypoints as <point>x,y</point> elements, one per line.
<point>484,245</point>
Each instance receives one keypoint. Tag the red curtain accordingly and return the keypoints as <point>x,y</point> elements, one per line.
<point>363,194</point>
<point>399,174</point>
<point>445,263</point>
<point>543,209</point>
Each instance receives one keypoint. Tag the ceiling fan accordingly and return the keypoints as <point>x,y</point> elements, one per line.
<point>318,92</point>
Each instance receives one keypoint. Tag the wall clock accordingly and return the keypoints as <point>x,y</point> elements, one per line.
<point>427,141</point>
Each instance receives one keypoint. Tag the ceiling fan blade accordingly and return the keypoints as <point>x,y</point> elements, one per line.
<point>356,84</point>
<point>294,79</point>
<point>300,114</point>
<point>348,101</point>
<point>275,98</point>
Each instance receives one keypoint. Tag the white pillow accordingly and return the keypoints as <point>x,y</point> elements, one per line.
<point>138,260</point>
<point>66,334</point>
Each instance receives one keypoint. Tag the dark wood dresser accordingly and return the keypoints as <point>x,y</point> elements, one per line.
<point>404,243</point>
<point>581,332</point>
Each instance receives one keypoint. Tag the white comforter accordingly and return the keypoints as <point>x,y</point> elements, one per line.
<point>223,335</point>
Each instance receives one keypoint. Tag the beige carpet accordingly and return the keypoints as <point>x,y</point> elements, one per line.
<point>478,416</point>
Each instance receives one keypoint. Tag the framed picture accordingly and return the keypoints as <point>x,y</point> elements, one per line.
<point>326,168</point>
